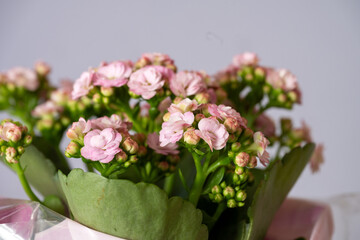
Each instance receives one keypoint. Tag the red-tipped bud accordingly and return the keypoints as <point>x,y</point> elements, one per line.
<point>240,196</point>
<point>142,151</point>
<point>252,162</point>
<point>72,150</point>
<point>199,116</point>
<point>42,68</point>
<point>242,159</point>
<point>228,192</point>
<point>202,97</point>
<point>130,146</point>
<point>107,91</point>
<point>232,125</point>
<point>121,157</point>
<point>10,155</point>
<point>164,166</point>
<point>231,203</point>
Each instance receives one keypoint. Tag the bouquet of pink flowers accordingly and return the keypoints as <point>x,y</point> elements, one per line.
<point>168,154</point>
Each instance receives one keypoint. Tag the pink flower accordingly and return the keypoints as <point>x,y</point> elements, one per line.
<point>260,145</point>
<point>187,83</point>
<point>146,81</point>
<point>63,94</point>
<point>223,112</point>
<point>157,59</point>
<point>213,133</point>
<point>185,105</point>
<point>154,143</point>
<point>285,80</point>
<point>115,122</point>
<point>83,85</point>
<point>10,132</point>
<point>23,77</point>
<point>266,125</point>
<point>101,145</point>
<point>42,68</point>
<point>317,158</point>
<point>78,129</point>
<point>172,130</point>
<point>115,74</point>
<point>48,108</point>
<point>245,59</point>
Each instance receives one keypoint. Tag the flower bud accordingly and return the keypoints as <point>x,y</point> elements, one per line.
<point>106,100</point>
<point>259,73</point>
<point>292,96</point>
<point>202,97</point>
<point>231,154</point>
<point>281,98</point>
<point>266,89</point>
<point>142,151</point>
<point>248,132</point>
<point>239,170</point>
<point>253,162</point>
<point>133,159</point>
<point>14,134</point>
<point>286,125</point>
<point>42,68</point>
<point>232,138</point>
<point>121,157</point>
<point>218,198</point>
<point>232,125</point>
<point>235,146</point>
<point>236,179</point>
<point>242,159</point>
<point>228,192</point>
<point>96,98</point>
<point>10,154</point>
<point>216,189</point>
<point>107,91</point>
<point>166,117</point>
<point>223,185</point>
<point>240,196</point>
<point>199,116</point>
<point>240,204</point>
<point>20,149</point>
<point>249,77</point>
<point>27,140</point>
<point>190,137</point>
<point>231,203</point>
<point>164,166</point>
<point>139,138</point>
<point>130,146</point>
<point>73,150</point>
<point>174,159</point>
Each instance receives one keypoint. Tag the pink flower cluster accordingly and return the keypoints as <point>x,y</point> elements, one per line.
<point>11,132</point>
<point>115,74</point>
<point>245,59</point>
<point>186,83</point>
<point>285,80</point>
<point>101,137</point>
<point>181,118</point>
<point>48,109</point>
<point>22,77</point>
<point>155,59</point>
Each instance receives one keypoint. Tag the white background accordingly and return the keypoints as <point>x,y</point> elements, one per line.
<point>317,40</point>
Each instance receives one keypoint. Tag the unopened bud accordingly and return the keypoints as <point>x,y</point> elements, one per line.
<point>235,146</point>
<point>240,196</point>
<point>96,98</point>
<point>232,125</point>
<point>73,150</point>
<point>252,162</point>
<point>107,91</point>
<point>202,97</point>
<point>42,68</point>
<point>249,77</point>
<point>121,157</point>
<point>20,149</point>
<point>166,117</point>
<point>130,146</point>
<point>106,100</point>
<point>139,138</point>
<point>223,185</point>
<point>259,73</point>
<point>14,134</point>
<point>190,137</point>
<point>266,89</point>
<point>164,166</point>
<point>231,203</point>
<point>218,198</point>
<point>174,159</point>
<point>242,159</point>
<point>239,170</point>
<point>10,154</point>
<point>133,95</point>
<point>231,154</point>
<point>133,159</point>
<point>240,204</point>
<point>228,192</point>
<point>236,179</point>
<point>199,116</point>
<point>142,151</point>
<point>248,132</point>
<point>286,125</point>
<point>281,98</point>
<point>28,140</point>
<point>292,96</point>
<point>216,189</point>
<point>232,138</point>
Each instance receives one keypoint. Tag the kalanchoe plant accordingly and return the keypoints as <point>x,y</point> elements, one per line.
<point>181,147</point>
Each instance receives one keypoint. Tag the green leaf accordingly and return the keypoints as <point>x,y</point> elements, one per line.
<point>214,179</point>
<point>128,210</point>
<point>40,172</point>
<point>264,197</point>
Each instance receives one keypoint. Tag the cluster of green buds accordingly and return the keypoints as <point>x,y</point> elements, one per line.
<point>14,137</point>
<point>168,164</point>
<point>232,189</point>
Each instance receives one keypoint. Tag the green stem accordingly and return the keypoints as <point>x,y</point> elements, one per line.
<point>219,210</point>
<point>199,181</point>
<point>89,167</point>
<point>221,162</point>
<point>20,172</point>
<point>63,163</point>
<point>109,170</point>
<point>169,184</point>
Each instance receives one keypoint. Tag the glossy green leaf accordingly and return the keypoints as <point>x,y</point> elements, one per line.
<point>128,210</point>
<point>214,179</point>
<point>264,198</point>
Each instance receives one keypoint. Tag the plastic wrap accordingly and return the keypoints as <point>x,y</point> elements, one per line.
<point>25,220</point>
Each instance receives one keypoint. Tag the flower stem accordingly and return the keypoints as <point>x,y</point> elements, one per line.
<point>219,210</point>
<point>20,172</point>
<point>199,180</point>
